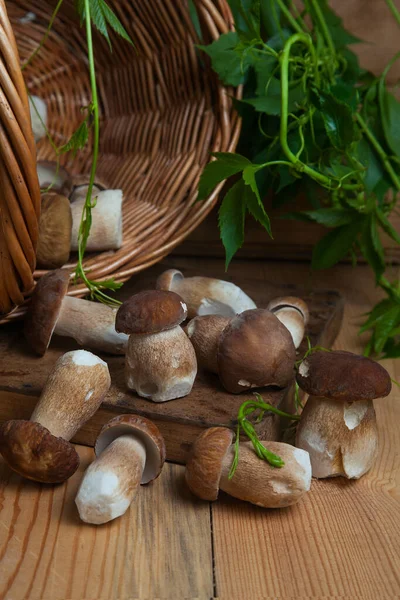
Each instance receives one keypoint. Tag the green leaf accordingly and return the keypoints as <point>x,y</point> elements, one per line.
<point>338,119</point>
<point>330,217</point>
<point>270,17</point>
<point>286,178</point>
<point>195,19</point>
<point>253,199</point>
<point>247,17</point>
<point>335,245</point>
<point>371,246</point>
<point>353,71</point>
<point>271,102</point>
<point>256,209</point>
<point>390,115</point>
<point>339,35</point>
<point>226,165</point>
<point>77,141</point>
<point>387,226</point>
<point>231,220</point>
<point>345,93</point>
<point>374,168</point>
<point>384,327</point>
<point>226,61</point>
<point>114,22</point>
<point>377,313</point>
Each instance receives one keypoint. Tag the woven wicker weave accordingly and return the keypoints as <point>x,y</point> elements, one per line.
<point>162,113</point>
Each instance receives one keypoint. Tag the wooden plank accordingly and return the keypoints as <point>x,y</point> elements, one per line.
<point>182,420</point>
<point>342,540</point>
<point>161,548</point>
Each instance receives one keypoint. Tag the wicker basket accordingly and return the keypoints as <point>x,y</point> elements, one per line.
<point>162,112</point>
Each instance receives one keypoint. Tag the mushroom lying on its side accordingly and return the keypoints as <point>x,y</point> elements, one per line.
<point>160,360</point>
<point>255,480</point>
<point>106,229</point>
<point>338,424</point>
<point>51,175</point>
<point>38,110</point>
<point>130,452</point>
<point>204,295</point>
<point>293,313</point>
<point>91,324</point>
<point>39,449</point>
<point>55,225</point>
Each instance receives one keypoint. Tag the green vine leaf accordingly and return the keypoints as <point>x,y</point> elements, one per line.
<point>102,16</point>
<point>253,200</point>
<point>78,140</point>
<point>338,119</point>
<point>229,64</point>
<point>225,166</point>
<point>390,115</point>
<point>387,226</point>
<point>231,220</point>
<point>335,245</point>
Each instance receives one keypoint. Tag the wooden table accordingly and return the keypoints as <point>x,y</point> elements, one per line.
<point>342,540</point>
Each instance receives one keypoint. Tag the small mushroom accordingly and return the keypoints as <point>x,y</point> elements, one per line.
<point>160,360</point>
<point>338,424</point>
<point>204,333</point>
<point>38,110</point>
<point>130,452</point>
<point>293,313</point>
<point>204,295</point>
<point>55,225</point>
<point>39,449</point>
<point>51,174</point>
<point>255,480</point>
<point>91,324</point>
<point>106,229</point>
<point>80,186</point>
<point>255,350</point>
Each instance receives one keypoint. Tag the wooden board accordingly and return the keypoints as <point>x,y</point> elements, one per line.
<point>180,420</point>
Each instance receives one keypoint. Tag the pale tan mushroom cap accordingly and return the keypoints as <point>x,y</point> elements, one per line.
<point>205,463</point>
<point>255,350</point>
<point>143,429</point>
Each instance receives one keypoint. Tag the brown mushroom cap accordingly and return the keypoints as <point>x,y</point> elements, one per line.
<point>343,376</point>
<point>255,350</point>
<point>55,227</point>
<point>44,309</point>
<point>290,302</point>
<point>149,312</point>
<point>146,431</point>
<point>204,465</point>
<point>33,452</point>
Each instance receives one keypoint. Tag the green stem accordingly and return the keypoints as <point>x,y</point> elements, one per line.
<point>289,16</point>
<point>323,26</point>
<point>298,164</point>
<point>84,228</point>
<point>46,35</point>
<point>251,406</point>
<point>393,10</point>
<point>379,150</point>
<point>298,16</point>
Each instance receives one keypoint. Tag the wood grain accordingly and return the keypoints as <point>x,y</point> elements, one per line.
<point>162,543</point>
<point>182,420</point>
<point>343,539</point>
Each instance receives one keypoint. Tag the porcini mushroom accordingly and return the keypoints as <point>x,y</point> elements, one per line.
<point>80,186</point>
<point>51,174</point>
<point>338,424</point>
<point>160,360</point>
<point>55,226</point>
<point>39,449</point>
<point>91,324</point>
<point>255,480</point>
<point>204,333</point>
<point>255,350</point>
<point>38,110</point>
<point>130,452</point>
<point>106,229</point>
<point>204,295</point>
<point>293,313</point>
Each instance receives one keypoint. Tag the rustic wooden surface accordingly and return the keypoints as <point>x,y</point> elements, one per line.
<point>180,421</point>
<point>342,540</point>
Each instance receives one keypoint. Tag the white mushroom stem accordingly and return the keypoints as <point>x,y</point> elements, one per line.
<point>91,324</point>
<point>206,296</point>
<point>258,482</point>
<point>341,437</point>
<point>161,366</point>
<point>38,110</point>
<point>293,320</point>
<point>111,482</point>
<point>106,230</point>
<point>72,394</point>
